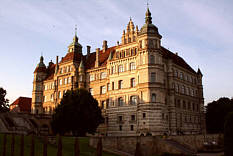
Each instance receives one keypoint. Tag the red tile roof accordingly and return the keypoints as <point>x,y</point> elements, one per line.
<point>89,62</point>
<point>24,103</point>
<point>176,59</point>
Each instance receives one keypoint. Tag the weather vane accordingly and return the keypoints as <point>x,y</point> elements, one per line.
<point>76,29</point>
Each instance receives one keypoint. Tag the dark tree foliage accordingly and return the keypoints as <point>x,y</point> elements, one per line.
<point>4,107</point>
<point>216,112</point>
<point>78,113</point>
<point>228,135</point>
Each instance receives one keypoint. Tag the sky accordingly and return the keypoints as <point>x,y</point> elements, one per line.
<point>201,31</point>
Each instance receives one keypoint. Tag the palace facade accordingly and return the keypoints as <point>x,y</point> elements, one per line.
<point>142,87</point>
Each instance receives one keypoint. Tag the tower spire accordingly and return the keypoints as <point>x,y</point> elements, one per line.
<point>148,18</point>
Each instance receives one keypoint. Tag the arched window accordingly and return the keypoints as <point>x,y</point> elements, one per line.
<point>153,97</point>
<point>132,82</point>
<point>133,100</point>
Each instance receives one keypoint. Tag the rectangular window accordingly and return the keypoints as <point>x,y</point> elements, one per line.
<point>65,80</point>
<point>131,127</point>
<point>120,84</point>
<point>108,86</point>
<point>143,115</point>
<point>152,59</point>
<point>120,128</point>
<point>133,117</point>
<point>112,85</point>
<point>132,66</point>
<point>120,118</point>
<point>92,77</point>
<point>132,82</point>
<point>153,77</point>
<point>153,97</point>
<point>102,90</point>
<point>113,69</point>
<point>120,68</point>
<point>60,81</point>
<point>103,75</point>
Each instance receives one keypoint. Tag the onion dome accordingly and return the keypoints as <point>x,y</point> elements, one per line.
<point>40,66</point>
<point>148,27</point>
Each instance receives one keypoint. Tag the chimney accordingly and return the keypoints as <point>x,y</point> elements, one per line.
<point>56,71</point>
<point>105,45</point>
<point>88,50</point>
<point>118,43</point>
<point>176,53</point>
<point>97,57</point>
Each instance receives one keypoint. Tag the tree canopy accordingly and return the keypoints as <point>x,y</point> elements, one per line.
<point>4,106</point>
<point>78,112</point>
<point>216,113</point>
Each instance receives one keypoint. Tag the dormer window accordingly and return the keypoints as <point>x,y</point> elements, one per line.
<point>71,49</point>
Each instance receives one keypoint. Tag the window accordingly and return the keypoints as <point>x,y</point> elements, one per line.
<point>107,103</point>
<point>133,100</point>
<point>65,80</point>
<point>120,101</point>
<point>184,105</point>
<point>91,91</point>
<point>102,90</point>
<point>69,80</point>
<point>132,66</point>
<point>153,97</point>
<point>181,75</point>
<point>92,77</point>
<point>120,84</point>
<point>103,75</point>
<point>120,118</point>
<point>176,73</point>
<point>182,89</point>
<point>120,127</point>
<point>140,44</point>
<point>120,68</point>
<point>51,97</point>
<point>132,82</point>
<point>131,127</point>
<point>113,69</point>
<point>60,81</point>
<point>133,117</point>
<point>177,88</point>
<point>108,86</point>
<point>59,94</point>
<point>112,85</point>
<point>153,77</point>
<point>144,115</point>
<point>152,59</point>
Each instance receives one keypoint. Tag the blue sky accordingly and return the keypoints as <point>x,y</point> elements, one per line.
<point>201,31</point>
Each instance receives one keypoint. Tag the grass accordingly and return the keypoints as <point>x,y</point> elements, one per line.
<point>67,147</point>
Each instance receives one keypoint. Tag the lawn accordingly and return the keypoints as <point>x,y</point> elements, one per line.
<point>67,144</point>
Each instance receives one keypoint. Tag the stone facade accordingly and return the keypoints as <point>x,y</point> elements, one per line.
<point>142,87</point>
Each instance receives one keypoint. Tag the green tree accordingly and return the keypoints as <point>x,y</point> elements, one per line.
<point>78,113</point>
<point>216,112</point>
<point>228,135</point>
<point>4,106</point>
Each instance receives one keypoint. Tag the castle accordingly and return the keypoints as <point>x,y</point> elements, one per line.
<point>142,87</point>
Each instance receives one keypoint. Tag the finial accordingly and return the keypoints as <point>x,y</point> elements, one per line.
<point>75,29</point>
<point>147,4</point>
<point>130,18</point>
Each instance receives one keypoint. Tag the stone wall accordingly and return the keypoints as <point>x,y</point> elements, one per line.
<point>154,145</point>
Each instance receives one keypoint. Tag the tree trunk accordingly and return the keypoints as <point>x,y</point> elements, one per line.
<point>99,147</point>
<point>32,146</point>
<point>76,147</point>
<point>12,145</point>
<point>45,146</point>
<point>22,146</point>
<point>59,148</point>
<point>4,145</point>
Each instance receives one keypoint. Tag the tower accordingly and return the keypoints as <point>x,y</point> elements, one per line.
<point>37,93</point>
